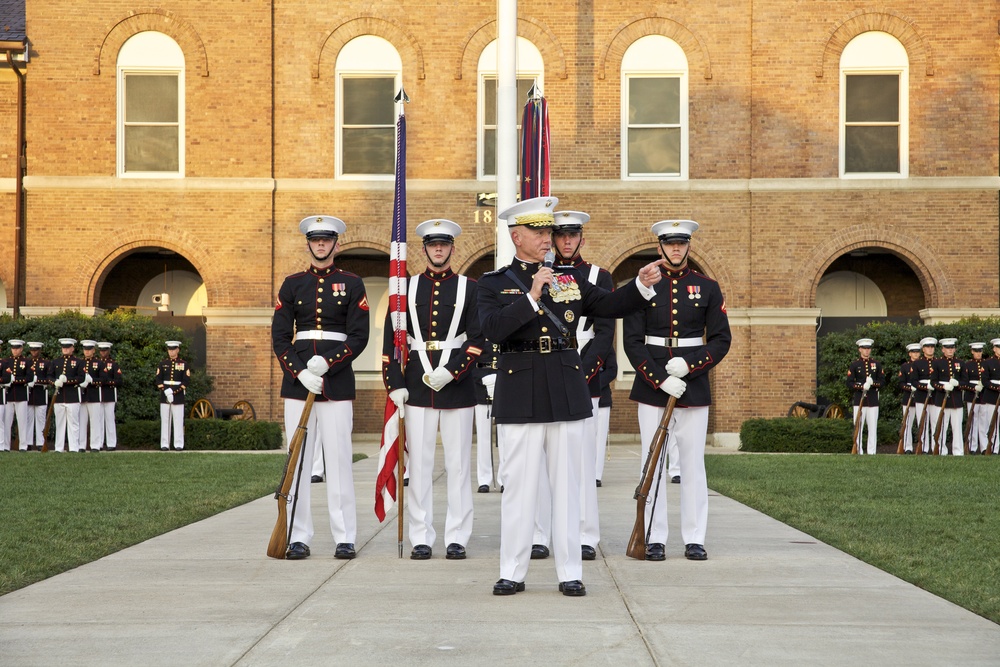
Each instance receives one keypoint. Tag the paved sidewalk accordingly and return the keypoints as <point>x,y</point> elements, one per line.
<point>207,595</point>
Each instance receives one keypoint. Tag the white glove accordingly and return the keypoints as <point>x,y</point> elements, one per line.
<point>978,386</point>
<point>34,379</point>
<point>953,382</point>
<point>868,383</point>
<point>59,381</point>
<point>674,386</point>
<point>86,380</point>
<point>311,381</point>
<point>489,381</point>
<point>946,387</point>
<point>677,367</point>
<point>399,397</point>
<point>317,365</point>
<point>438,378</point>
<point>169,393</point>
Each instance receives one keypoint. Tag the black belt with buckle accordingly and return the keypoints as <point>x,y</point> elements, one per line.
<point>545,344</point>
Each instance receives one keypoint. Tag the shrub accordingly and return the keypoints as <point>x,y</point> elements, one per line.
<point>205,434</point>
<point>808,436</point>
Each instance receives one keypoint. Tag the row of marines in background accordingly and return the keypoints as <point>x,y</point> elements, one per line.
<point>936,394</point>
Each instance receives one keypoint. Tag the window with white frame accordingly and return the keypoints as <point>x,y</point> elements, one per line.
<point>150,128</point>
<point>369,75</point>
<point>874,103</point>
<point>529,73</point>
<point>654,110</point>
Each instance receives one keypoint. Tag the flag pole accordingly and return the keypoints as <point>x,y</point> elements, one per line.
<point>506,125</point>
<point>400,201</point>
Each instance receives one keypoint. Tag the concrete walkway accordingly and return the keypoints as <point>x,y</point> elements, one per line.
<point>207,595</point>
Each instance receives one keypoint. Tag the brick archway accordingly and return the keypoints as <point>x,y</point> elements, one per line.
<point>930,273</point>
<point>633,29</point>
<point>531,29</point>
<point>888,21</point>
<point>368,24</point>
<point>156,20</point>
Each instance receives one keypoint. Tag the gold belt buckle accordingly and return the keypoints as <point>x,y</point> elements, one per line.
<point>433,345</point>
<point>672,342</point>
<point>545,344</point>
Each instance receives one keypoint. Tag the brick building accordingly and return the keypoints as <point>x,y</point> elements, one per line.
<point>842,158</point>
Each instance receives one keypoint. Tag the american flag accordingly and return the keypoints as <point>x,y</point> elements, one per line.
<point>535,147</point>
<point>386,483</point>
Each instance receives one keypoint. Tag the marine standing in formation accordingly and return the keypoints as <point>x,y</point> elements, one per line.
<point>320,326</point>
<point>864,379</point>
<point>14,377</point>
<point>682,333</point>
<point>444,340</point>
<point>907,395</point>
<point>67,376</point>
<point>947,375</point>
<point>109,381</point>
<point>172,375</point>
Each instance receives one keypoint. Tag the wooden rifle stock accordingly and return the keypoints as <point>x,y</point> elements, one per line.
<point>968,426</point>
<point>48,421</point>
<point>993,428</point>
<point>637,542</point>
<point>857,421</point>
<point>937,427</point>
<point>919,449</point>
<point>902,427</point>
<point>278,545</point>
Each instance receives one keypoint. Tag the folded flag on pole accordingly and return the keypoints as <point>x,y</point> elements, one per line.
<point>535,147</point>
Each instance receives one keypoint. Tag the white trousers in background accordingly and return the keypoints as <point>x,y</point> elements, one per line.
<point>689,426</point>
<point>67,416</point>
<point>484,447</point>
<point>952,420</point>
<point>4,441</point>
<point>603,427</point>
<point>911,417</point>
<point>20,410</point>
<point>110,429</point>
<point>172,414</point>
<point>84,427</point>
<point>332,422</point>
<point>422,426</point>
<point>869,418</point>
<point>529,451</point>
<point>36,416</point>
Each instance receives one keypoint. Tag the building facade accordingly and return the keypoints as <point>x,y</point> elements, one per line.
<point>841,157</point>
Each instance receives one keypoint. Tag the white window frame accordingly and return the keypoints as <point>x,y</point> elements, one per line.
<point>655,56</point>
<point>529,66</point>
<point>876,52</point>
<point>366,56</point>
<point>149,52</point>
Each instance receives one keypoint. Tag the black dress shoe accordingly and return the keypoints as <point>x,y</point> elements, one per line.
<point>345,551</point>
<point>695,552</point>
<point>588,552</point>
<point>507,587</point>
<point>539,551</point>
<point>316,479</point>
<point>676,479</point>
<point>655,551</point>
<point>297,551</point>
<point>598,483</point>
<point>420,552</point>
<point>573,588</point>
<point>455,552</point>
<point>484,488</point>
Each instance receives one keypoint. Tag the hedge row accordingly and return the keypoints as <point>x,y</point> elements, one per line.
<point>809,436</point>
<point>205,434</point>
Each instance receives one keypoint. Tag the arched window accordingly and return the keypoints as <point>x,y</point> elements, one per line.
<point>530,69</point>
<point>150,133</point>
<point>654,110</point>
<point>369,74</point>
<point>874,103</point>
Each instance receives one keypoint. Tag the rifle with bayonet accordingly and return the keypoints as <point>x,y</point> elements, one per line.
<point>637,541</point>
<point>278,545</point>
<point>900,448</point>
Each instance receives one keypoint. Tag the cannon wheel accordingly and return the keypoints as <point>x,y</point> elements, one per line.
<point>833,411</point>
<point>798,410</point>
<point>203,409</point>
<point>248,411</point>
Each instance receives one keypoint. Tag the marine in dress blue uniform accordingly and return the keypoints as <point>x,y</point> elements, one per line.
<point>907,387</point>
<point>15,377</point>
<point>947,375</point>
<point>975,371</point>
<point>109,381</point>
<point>541,396</point>
<point>923,395</point>
<point>444,340</point>
<point>172,376</point>
<point>38,394</point>
<point>320,326</point>
<point>865,377</point>
<point>672,344</point>
<point>66,374</point>
<point>990,398</point>
<point>91,422</point>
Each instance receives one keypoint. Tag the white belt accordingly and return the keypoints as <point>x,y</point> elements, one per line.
<point>434,345</point>
<point>674,342</point>
<point>172,383</point>
<point>320,335</point>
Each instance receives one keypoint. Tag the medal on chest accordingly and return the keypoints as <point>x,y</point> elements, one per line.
<point>564,288</point>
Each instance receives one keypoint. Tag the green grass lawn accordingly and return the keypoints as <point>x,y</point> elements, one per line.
<point>932,521</point>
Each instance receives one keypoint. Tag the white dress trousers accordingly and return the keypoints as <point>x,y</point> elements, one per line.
<point>484,452</point>
<point>952,420</point>
<point>108,419</point>
<point>67,416</point>
<point>603,427</point>
<point>869,419</point>
<point>172,414</point>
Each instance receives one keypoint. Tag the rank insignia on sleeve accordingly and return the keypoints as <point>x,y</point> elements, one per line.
<point>364,303</point>
<point>277,303</point>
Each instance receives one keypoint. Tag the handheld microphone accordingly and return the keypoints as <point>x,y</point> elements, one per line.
<point>547,262</point>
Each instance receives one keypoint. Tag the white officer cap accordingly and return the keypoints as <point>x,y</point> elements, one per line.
<point>864,342</point>
<point>14,342</point>
<point>995,342</point>
<point>536,212</point>
<point>173,343</point>
<point>67,342</point>
<point>104,346</point>
<point>913,347</point>
<point>87,344</point>
<point>674,230</point>
<point>948,342</point>
<point>930,341</point>
<point>438,229</point>
<point>977,347</point>
<point>571,221</point>
<point>322,227</point>
<point>35,345</point>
